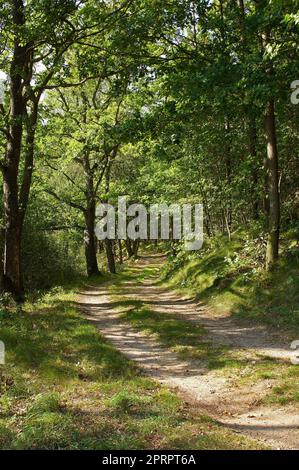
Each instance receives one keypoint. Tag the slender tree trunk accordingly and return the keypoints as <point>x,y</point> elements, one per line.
<point>100,246</point>
<point>272,252</point>
<point>15,204</point>
<point>136,245</point>
<point>31,124</point>
<point>12,278</point>
<point>129,248</point>
<point>90,242</point>
<point>273,187</point>
<point>228,227</point>
<point>207,220</point>
<point>228,162</point>
<point>110,256</point>
<point>89,213</point>
<point>266,187</point>
<point>2,235</point>
<point>207,228</point>
<point>120,251</point>
<point>109,244</point>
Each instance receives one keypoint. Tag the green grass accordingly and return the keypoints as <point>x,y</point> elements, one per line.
<point>65,387</point>
<point>229,277</point>
<point>189,341</point>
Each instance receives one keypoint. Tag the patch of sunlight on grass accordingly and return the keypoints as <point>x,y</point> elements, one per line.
<point>65,387</point>
<point>225,276</point>
<point>188,340</point>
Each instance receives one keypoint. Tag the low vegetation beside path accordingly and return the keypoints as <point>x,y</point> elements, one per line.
<point>65,387</point>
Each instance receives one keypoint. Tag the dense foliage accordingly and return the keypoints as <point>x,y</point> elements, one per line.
<point>184,101</point>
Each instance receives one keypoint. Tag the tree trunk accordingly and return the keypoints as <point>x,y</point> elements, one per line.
<point>228,163</point>
<point>110,256</point>
<point>13,227</point>
<point>120,251</point>
<point>272,252</point>
<point>136,244</point>
<point>90,243</point>
<point>90,211</point>
<point>2,235</point>
<point>100,246</point>
<point>273,187</point>
<point>109,244</point>
<point>29,160</point>
<point>129,248</point>
<point>12,278</point>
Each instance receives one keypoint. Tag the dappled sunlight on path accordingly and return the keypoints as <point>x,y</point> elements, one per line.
<point>219,394</point>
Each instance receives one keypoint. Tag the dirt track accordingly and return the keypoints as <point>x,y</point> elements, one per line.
<point>220,396</point>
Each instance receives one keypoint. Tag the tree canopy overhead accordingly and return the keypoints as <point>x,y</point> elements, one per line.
<point>160,101</point>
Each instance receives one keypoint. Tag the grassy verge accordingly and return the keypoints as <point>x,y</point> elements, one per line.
<point>65,387</point>
<point>189,341</point>
<point>229,277</point>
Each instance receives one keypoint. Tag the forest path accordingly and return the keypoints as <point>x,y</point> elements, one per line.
<point>236,405</point>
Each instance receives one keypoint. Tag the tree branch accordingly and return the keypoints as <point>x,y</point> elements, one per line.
<point>65,201</point>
